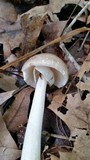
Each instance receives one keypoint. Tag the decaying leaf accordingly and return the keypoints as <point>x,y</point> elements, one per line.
<point>17,114</point>
<point>76,114</point>
<point>52,7</point>
<point>56,6</point>
<point>52,157</point>
<point>7,83</point>
<point>81,148</point>
<point>50,31</point>
<point>53,30</point>
<point>69,156</point>
<point>11,40</point>
<point>84,85</point>
<point>82,145</point>
<point>8,148</point>
<point>7,11</point>
<point>31,28</point>
<point>5,96</point>
<point>57,102</point>
<point>85,67</point>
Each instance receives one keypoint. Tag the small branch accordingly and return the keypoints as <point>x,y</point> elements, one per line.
<point>45,133</point>
<point>70,57</point>
<point>79,49</point>
<point>77,16</point>
<point>57,40</point>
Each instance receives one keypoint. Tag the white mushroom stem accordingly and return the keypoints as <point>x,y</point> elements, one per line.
<point>32,141</point>
<point>38,71</point>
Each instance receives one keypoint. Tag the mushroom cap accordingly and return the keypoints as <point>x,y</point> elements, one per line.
<point>48,60</point>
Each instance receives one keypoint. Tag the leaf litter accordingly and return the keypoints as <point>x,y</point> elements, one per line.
<point>68,109</point>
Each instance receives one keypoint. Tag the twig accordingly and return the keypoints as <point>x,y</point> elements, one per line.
<point>69,56</point>
<point>45,133</point>
<point>79,49</point>
<point>71,59</point>
<point>57,40</point>
<point>77,16</point>
<point>62,46</point>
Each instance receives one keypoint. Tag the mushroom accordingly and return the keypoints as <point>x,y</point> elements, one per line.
<point>38,71</point>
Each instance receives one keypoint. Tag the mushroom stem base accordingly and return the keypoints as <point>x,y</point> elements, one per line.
<point>32,141</point>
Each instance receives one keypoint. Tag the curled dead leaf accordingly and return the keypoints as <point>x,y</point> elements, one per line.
<point>17,114</point>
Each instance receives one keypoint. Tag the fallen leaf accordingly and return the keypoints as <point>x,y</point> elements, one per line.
<point>7,12</point>
<point>5,96</point>
<point>52,157</point>
<point>8,148</point>
<point>11,40</point>
<point>54,6</point>
<point>17,114</point>
<point>82,145</point>
<point>85,68</point>
<point>7,83</point>
<point>51,31</point>
<point>80,150</point>
<point>69,156</point>
<point>31,28</point>
<point>56,102</point>
<point>84,85</point>
<point>76,114</point>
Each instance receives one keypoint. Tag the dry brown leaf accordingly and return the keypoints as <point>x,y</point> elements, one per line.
<point>82,145</point>
<point>17,114</point>
<point>5,96</point>
<point>11,40</point>
<point>7,83</point>
<point>5,27</point>
<point>81,148</point>
<point>77,112</point>
<point>52,157</point>
<point>84,85</point>
<point>7,11</point>
<point>57,40</point>
<point>69,156</point>
<point>8,148</point>
<point>57,102</point>
<point>31,29</point>
<point>54,6</point>
<point>51,31</point>
<point>84,68</point>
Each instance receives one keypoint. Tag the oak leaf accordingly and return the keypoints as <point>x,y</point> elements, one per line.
<point>76,113</point>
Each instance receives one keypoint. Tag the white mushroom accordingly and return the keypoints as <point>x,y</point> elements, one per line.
<point>38,71</point>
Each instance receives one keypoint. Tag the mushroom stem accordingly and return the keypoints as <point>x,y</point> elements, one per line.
<point>32,141</point>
